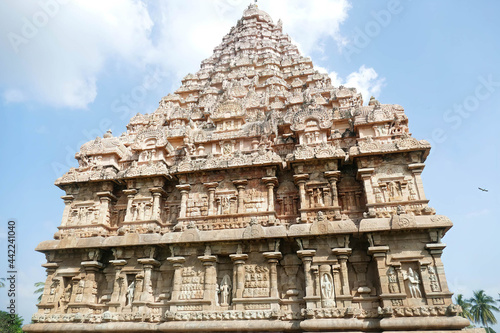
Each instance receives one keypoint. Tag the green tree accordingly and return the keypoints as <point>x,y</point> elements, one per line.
<point>40,286</point>
<point>9,324</point>
<point>482,307</point>
<point>465,305</point>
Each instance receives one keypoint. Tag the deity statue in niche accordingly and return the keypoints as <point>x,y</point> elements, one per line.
<point>225,290</point>
<point>394,191</point>
<point>317,197</point>
<point>141,210</point>
<point>413,283</point>
<point>130,293</point>
<point>326,286</point>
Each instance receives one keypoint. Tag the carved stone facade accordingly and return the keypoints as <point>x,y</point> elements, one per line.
<point>257,197</point>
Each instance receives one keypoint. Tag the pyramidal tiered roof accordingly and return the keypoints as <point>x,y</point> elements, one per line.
<point>247,105</point>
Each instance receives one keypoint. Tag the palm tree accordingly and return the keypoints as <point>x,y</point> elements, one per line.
<point>40,287</point>
<point>465,305</point>
<point>482,308</point>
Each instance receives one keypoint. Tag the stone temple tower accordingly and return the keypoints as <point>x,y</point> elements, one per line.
<point>257,198</point>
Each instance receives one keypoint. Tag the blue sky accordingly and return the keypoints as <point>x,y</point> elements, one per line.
<point>89,66</point>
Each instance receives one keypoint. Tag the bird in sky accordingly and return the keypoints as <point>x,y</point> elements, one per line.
<point>482,189</point>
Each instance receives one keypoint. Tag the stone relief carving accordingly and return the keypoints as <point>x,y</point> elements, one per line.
<point>413,279</point>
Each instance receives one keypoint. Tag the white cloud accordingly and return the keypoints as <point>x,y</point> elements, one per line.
<point>60,51</point>
<point>58,57</point>
<point>13,96</point>
<point>309,22</point>
<point>365,80</point>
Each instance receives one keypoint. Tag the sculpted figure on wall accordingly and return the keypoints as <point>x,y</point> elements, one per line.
<point>413,283</point>
<point>225,290</point>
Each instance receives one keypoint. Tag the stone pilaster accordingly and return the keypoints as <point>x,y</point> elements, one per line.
<point>270,182</point>
<point>417,169</point>
<point>147,289</point>
<point>104,211</point>
<point>130,193</point>
<point>272,260</point>
<point>366,176</point>
<point>300,180</point>
<point>240,186</point>
<point>379,254</point>
<point>436,250</point>
<point>211,197</point>
<point>68,200</point>
<point>333,177</point>
<point>343,254</point>
<point>118,295</point>
<point>50,268</point>
<point>184,189</point>
<point>210,292</point>
<point>178,263</point>
<point>90,290</point>
<point>307,257</point>
<point>158,193</point>
<point>238,275</point>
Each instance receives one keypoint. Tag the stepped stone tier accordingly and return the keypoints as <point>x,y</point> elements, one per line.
<point>257,197</point>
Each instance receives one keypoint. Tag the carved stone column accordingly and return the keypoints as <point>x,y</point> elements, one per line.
<point>50,268</point>
<point>379,254</point>
<point>436,250</point>
<point>184,189</point>
<point>333,177</point>
<point>211,197</point>
<point>177,262</point>
<point>116,296</point>
<point>270,182</point>
<point>307,258</point>
<point>300,180</point>
<point>147,289</point>
<point>240,186</point>
<point>272,259</point>
<point>210,292</point>
<point>366,175</point>
<point>157,192</point>
<point>68,199</point>
<point>342,255</point>
<point>130,193</point>
<point>239,273</point>
<point>90,289</point>
<point>105,199</point>
<point>417,169</point>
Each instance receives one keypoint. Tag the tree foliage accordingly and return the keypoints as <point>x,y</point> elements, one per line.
<point>482,308</point>
<point>10,324</point>
<point>40,286</point>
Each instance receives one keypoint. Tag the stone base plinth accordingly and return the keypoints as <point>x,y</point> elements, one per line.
<point>387,325</point>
